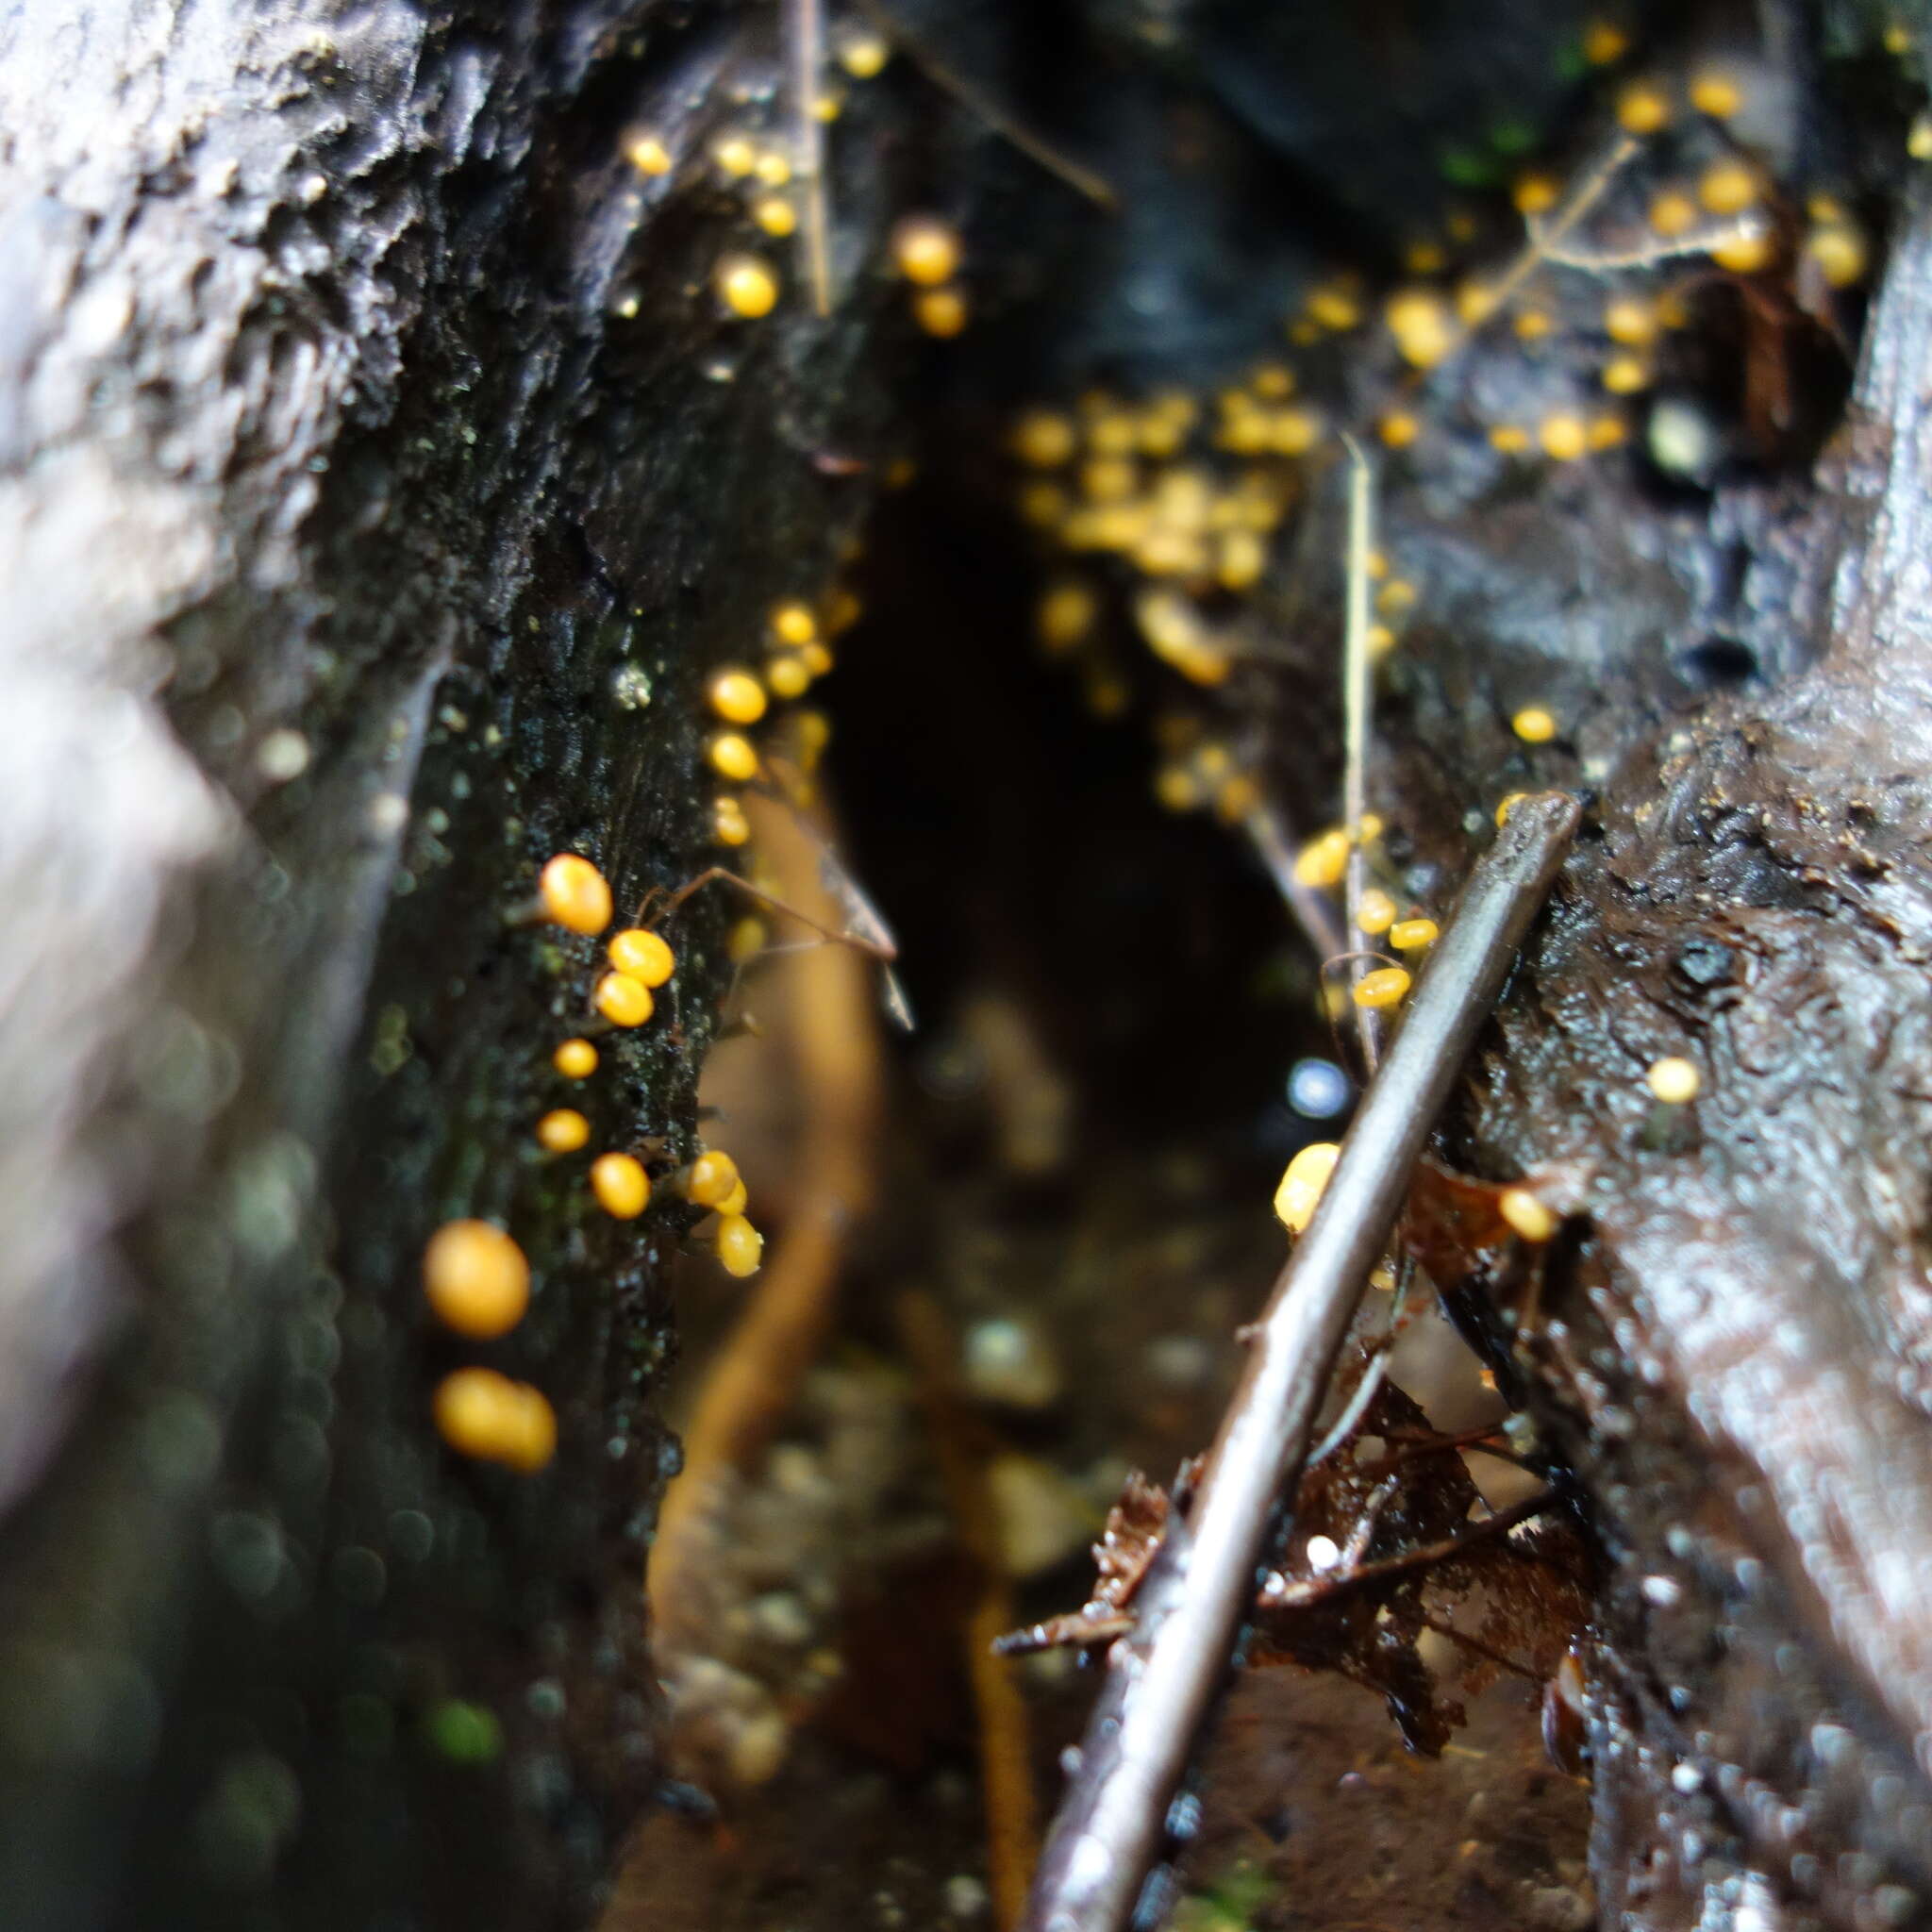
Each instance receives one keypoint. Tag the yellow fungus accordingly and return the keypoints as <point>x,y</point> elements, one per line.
<point>1176,789</point>
<point>1107,480</point>
<point>1672,312</point>
<point>1727,188</point>
<point>483,1414</point>
<point>773,169</point>
<point>1630,320</point>
<point>647,154</point>
<point>817,658</point>
<point>1918,138</point>
<point>1371,827</point>
<point>741,1246</point>
<point>1303,1183</point>
<point>842,609</point>
<point>575,893</point>
<point>1533,325</point>
<point>863,54</point>
<point>1383,988</point>
<point>1376,914</point>
<point>1292,432</point>
<point>1563,437</point>
<point>476,1278</point>
<point>1323,860</point>
<point>1398,429</point>
<point>941,312</point>
<point>1397,596</point>
<point>828,107</point>
<point>1112,434</point>
<point>643,955</point>
<point>1604,42</point>
<point>1528,1215</point>
<point>1334,308</point>
<point>562,1130</point>
<point>1474,302</point>
<point>1043,440</point>
<point>710,1178</point>
<point>1624,375</point>
<point>926,250</point>
<point>1065,615</point>
<point>1897,37</point>
<point>776,216</point>
<point>747,940</point>
<point>735,155</point>
<point>1242,559</point>
<point>1839,253</point>
<point>1535,192</point>
<point>1674,1081</point>
<point>1507,439</point>
<point>1176,635</point>
<point>787,675</point>
<point>1413,935</point>
<point>625,1001</point>
<point>1508,804</point>
<point>733,755</point>
<point>729,825</point>
<point>1424,259</point>
<point>734,1202</point>
<point>1380,641</point>
<point>1717,93</point>
<point>1744,255</point>
<point>1423,329</point>
<point>748,284</point>
<point>1607,432</point>
<point>1534,724</point>
<point>1672,213</point>
<point>737,697</point>
<point>576,1059</point>
<point>1642,107</point>
<point>793,624</point>
<point>621,1184</point>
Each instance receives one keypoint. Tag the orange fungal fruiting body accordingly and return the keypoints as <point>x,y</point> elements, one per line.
<point>486,1415</point>
<point>712,1177</point>
<point>643,956</point>
<point>575,893</point>
<point>1303,1183</point>
<point>621,1184</point>
<point>1385,987</point>
<point>625,1001</point>
<point>562,1130</point>
<point>476,1278</point>
<point>576,1059</point>
<point>737,697</point>
<point>926,250</point>
<point>741,1246</point>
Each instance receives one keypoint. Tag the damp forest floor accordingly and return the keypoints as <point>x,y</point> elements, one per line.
<point>1092,1309</point>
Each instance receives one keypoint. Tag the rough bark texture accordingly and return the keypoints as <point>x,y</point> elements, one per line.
<point>323,412</point>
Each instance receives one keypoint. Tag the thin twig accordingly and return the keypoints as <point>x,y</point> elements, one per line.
<point>975,99</point>
<point>1372,1376</point>
<point>1355,712</point>
<point>1545,235</point>
<point>1166,1674</point>
<point>805,28</point>
<point>1272,841</point>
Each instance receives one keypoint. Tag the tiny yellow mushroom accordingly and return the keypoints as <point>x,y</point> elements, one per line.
<point>729,825</point>
<point>1624,375</point>
<point>1043,440</point>
<point>748,284</point>
<point>1631,321</point>
<point>1528,1215</point>
<point>576,1059</point>
<point>647,154</point>
<point>475,1279</point>
<point>793,624</point>
<point>1323,860</point>
<point>1672,213</point>
<point>1376,914</point>
<point>1745,254</point>
<point>1608,432</point>
<point>562,1130</point>
<point>1423,329</point>
<point>735,155</point>
<point>642,954</point>
<point>575,893</point>
<point>625,1001</point>
<point>787,675</point>
<point>485,1415</point>
<point>1383,988</point>
<point>741,1246</point>
<point>1841,254</point>
<point>1303,1183</point>
<point>926,250</point>
<point>1727,188</point>
<point>1509,439</point>
<point>1508,804</point>
<point>733,755</point>
<point>621,1184</point>
<point>734,1202</point>
<point>773,169</point>
<point>1398,429</point>
<point>1534,724</point>
<point>710,1179</point>
<point>1674,1081</point>
<point>737,697</point>
<point>1604,42</point>
<point>1413,935</point>
<point>1717,93</point>
<point>1065,614</point>
<point>863,54</point>
<point>1564,437</point>
<point>817,658</point>
<point>941,312</point>
<point>776,216</point>
<point>1642,107</point>
<point>1535,192</point>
